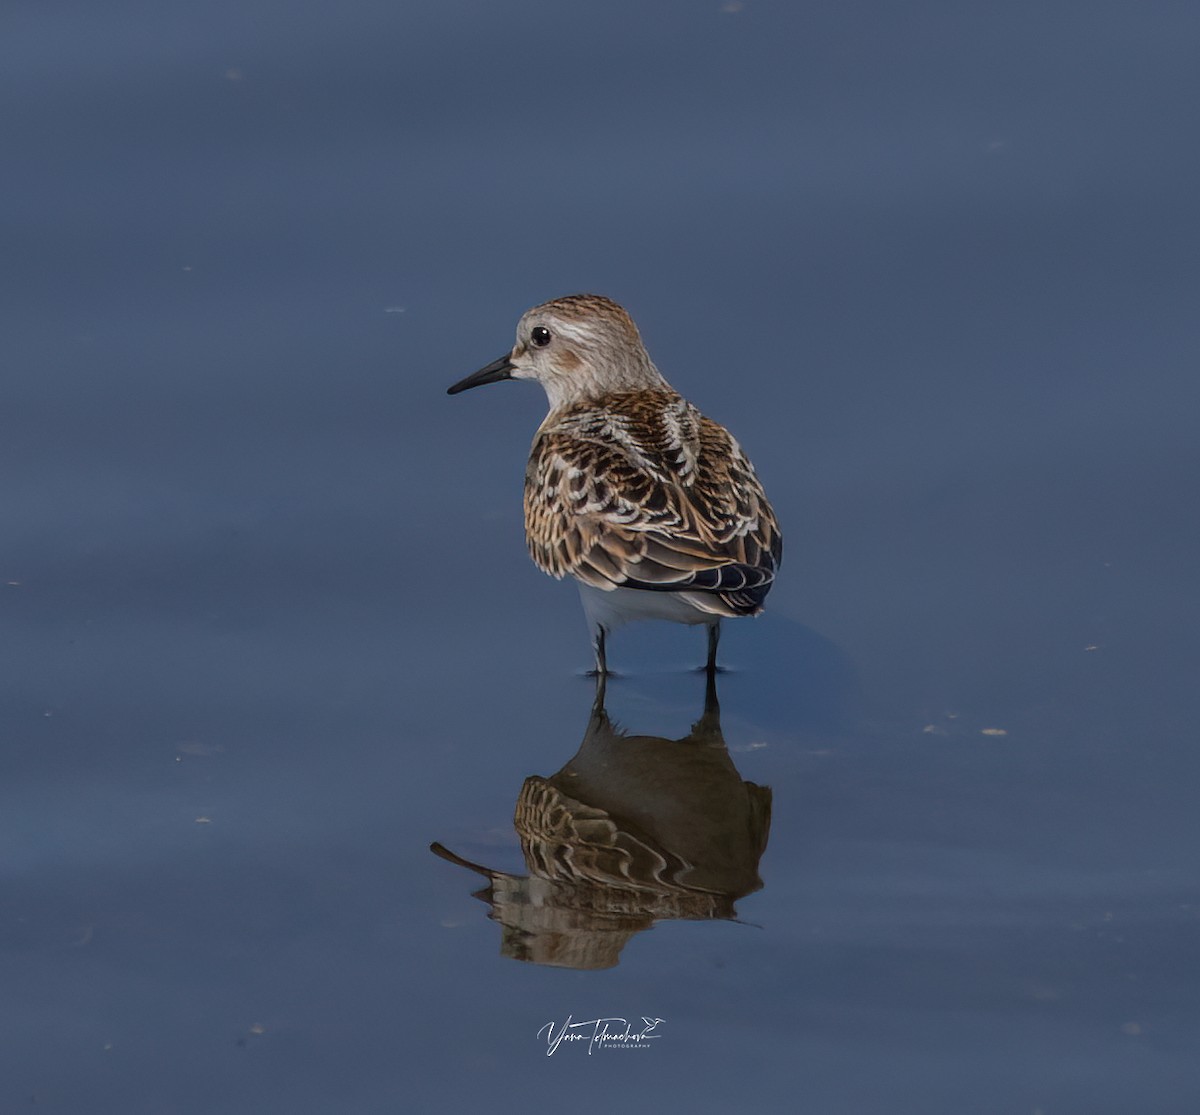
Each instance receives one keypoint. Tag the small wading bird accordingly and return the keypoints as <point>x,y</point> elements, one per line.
<point>653,508</point>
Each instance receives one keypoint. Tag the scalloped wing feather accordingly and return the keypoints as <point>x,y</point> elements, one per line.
<point>642,491</point>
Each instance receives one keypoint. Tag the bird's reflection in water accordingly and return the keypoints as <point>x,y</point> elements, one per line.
<point>634,829</point>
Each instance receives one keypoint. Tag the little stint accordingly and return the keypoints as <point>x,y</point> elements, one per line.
<point>653,508</point>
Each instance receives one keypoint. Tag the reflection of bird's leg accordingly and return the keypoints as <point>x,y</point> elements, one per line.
<point>711,706</point>
<point>599,718</point>
<point>709,723</point>
<point>714,637</point>
<point>598,703</point>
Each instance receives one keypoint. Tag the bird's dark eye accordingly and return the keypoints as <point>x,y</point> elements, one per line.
<point>540,336</point>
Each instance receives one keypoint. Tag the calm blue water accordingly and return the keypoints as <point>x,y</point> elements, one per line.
<point>270,631</point>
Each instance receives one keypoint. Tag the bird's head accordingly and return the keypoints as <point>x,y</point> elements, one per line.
<point>580,347</point>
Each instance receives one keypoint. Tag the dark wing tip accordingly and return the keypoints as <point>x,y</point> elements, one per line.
<point>742,587</point>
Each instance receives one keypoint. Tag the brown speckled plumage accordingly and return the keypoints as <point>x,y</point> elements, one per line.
<point>639,489</point>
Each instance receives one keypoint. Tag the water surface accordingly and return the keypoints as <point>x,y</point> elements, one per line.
<point>270,630</point>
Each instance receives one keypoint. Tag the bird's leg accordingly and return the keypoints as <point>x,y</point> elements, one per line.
<point>601,657</point>
<point>714,637</point>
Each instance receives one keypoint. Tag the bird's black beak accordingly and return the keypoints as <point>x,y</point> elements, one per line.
<point>493,373</point>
